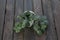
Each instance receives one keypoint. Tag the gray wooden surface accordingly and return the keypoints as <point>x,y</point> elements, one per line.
<point>9,9</point>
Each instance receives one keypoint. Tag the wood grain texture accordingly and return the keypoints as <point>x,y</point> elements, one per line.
<point>51,32</point>
<point>55,4</point>
<point>18,11</point>
<point>2,12</point>
<point>27,5</point>
<point>9,9</point>
<point>8,26</point>
<point>28,34</point>
<point>37,7</point>
<point>38,10</point>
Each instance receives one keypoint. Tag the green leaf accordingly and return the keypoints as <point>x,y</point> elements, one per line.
<point>36,17</point>
<point>43,27</point>
<point>39,32</point>
<point>36,27</point>
<point>17,27</point>
<point>27,14</point>
<point>31,23</point>
<point>24,23</point>
<point>43,18</point>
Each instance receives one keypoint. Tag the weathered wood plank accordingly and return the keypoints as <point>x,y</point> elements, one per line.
<point>37,7</point>
<point>8,26</point>
<point>27,5</point>
<point>2,12</point>
<point>18,10</point>
<point>28,34</point>
<point>56,10</point>
<point>38,10</point>
<point>51,32</point>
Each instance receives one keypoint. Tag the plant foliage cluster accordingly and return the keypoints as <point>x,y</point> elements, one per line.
<point>30,20</point>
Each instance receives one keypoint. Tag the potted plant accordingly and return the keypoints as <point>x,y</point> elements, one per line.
<point>29,19</point>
